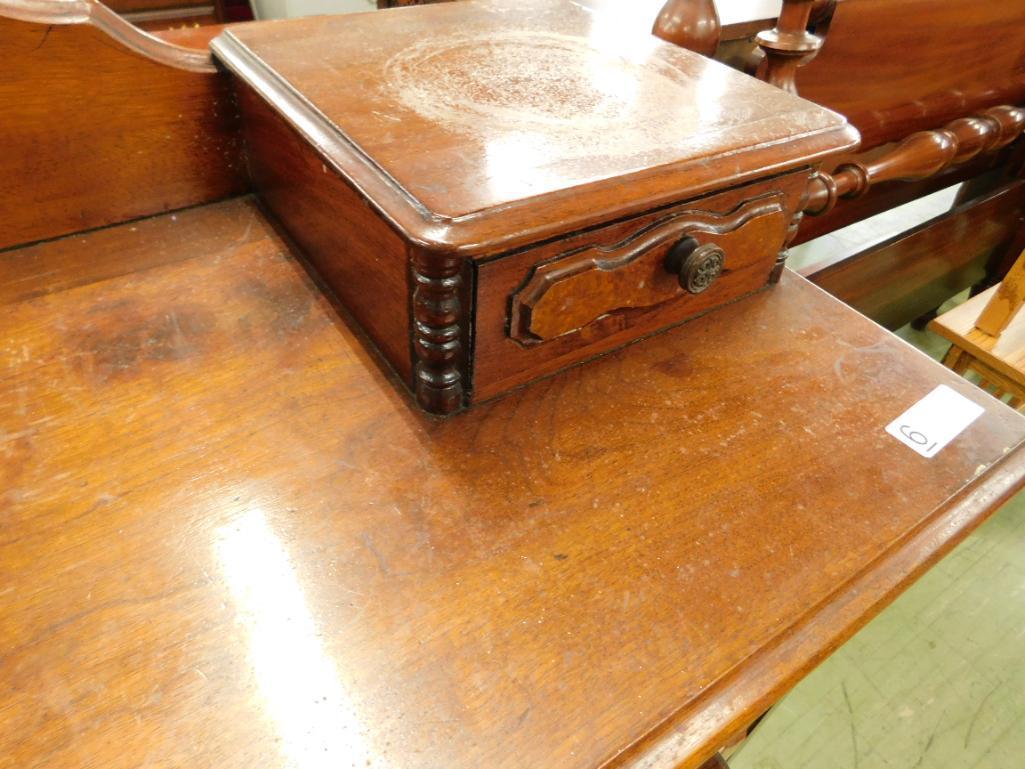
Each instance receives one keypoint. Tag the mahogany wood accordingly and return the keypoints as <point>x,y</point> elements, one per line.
<point>984,176</point>
<point>230,542</point>
<point>467,104</point>
<point>948,98</point>
<point>573,290</point>
<point>690,24</point>
<point>920,156</point>
<point>893,67</point>
<point>357,253</point>
<point>69,262</point>
<point>480,131</point>
<point>82,149</point>
<point>932,86</point>
<point>898,280</point>
<point>789,44</point>
<point>507,355</point>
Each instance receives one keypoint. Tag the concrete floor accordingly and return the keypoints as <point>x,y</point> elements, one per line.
<point>937,680</point>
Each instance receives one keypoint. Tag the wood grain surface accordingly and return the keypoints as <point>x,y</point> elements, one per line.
<point>935,681</point>
<point>356,252</point>
<point>94,133</point>
<point>231,541</point>
<point>919,63</point>
<point>1007,300</point>
<point>1004,353</point>
<point>501,361</point>
<point>482,127</point>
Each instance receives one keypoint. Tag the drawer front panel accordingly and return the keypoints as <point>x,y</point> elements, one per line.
<point>548,307</point>
<point>652,266</point>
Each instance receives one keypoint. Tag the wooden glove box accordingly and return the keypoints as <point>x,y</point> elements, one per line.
<point>499,189</point>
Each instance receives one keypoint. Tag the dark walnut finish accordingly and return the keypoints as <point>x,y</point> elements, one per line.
<point>82,147</point>
<point>231,541</point>
<point>435,149</point>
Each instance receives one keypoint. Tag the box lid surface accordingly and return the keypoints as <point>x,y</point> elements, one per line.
<point>463,122</point>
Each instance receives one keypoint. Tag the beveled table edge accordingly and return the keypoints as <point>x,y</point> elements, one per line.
<point>516,224</point>
<point>696,732</point>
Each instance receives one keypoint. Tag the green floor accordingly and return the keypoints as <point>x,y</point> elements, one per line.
<point>937,681</point>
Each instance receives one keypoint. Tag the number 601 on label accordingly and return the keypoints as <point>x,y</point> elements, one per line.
<point>934,421</point>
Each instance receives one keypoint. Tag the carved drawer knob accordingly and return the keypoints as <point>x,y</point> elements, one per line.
<point>698,266</point>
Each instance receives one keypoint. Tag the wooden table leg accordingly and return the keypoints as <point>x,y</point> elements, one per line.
<point>957,360</point>
<point>715,762</point>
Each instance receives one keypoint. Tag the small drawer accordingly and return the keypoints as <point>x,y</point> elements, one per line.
<point>547,307</point>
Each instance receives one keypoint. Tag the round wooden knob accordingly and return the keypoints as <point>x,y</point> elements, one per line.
<point>697,266</point>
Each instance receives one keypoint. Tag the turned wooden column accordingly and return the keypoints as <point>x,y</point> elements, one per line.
<point>921,155</point>
<point>690,24</point>
<point>789,45</point>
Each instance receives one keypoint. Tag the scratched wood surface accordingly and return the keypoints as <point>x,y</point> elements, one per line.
<point>491,125</point>
<point>230,540</point>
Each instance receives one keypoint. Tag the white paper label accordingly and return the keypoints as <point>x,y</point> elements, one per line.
<point>934,421</point>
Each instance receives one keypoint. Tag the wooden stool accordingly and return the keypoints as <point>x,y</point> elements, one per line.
<point>988,336</point>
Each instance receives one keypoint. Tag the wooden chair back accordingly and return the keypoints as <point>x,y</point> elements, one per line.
<point>1005,302</point>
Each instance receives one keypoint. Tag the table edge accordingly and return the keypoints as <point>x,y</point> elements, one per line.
<point>696,731</point>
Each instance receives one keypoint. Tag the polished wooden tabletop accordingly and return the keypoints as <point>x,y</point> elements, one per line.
<point>469,107</point>
<point>231,540</point>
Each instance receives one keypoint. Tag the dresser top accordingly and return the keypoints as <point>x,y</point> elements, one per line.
<point>533,114</point>
<point>230,541</point>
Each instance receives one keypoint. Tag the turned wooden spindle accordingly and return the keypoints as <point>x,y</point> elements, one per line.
<point>919,156</point>
<point>789,45</point>
<point>690,24</point>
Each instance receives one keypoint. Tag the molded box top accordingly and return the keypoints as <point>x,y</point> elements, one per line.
<point>475,126</point>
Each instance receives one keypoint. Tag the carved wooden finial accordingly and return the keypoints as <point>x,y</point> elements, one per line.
<point>790,45</point>
<point>690,24</point>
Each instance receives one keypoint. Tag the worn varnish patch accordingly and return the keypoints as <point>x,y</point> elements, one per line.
<point>121,338</point>
<point>518,81</point>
